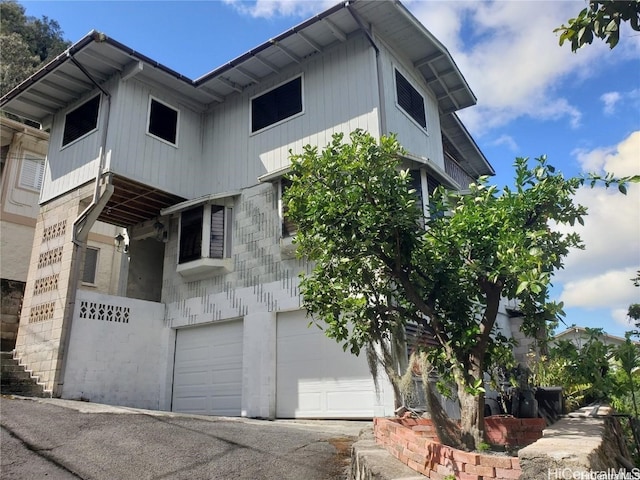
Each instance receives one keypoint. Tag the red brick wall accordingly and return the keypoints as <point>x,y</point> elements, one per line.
<point>413,441</point>
<point>513,432</point>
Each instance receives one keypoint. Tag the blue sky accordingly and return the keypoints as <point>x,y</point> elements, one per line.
<point>581,110</point>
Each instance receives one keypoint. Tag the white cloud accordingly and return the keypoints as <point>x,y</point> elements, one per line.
<point>511,58</point>
<point>279,8</point>
<point>619,315</point>
<point>600,275</point>
<point>610,99</point>
<point>609,289</point>
<point>622,159</point>
<point>506,140</point>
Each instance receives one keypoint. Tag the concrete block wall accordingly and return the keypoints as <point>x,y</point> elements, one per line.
<point>264,278</point>
<point>117,352</point>
<point>38,345</point>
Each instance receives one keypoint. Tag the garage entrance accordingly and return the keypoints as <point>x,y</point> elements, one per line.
<point>315,378</point>
<point>207,372</point>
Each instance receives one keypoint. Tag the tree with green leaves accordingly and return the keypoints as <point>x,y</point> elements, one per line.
<point>379,264</point>
<point>25,43</point>
<point>601,19</point>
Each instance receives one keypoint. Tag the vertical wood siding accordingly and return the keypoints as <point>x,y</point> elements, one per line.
<point>411,136</point>
<point>339,95</point>
<point>144,158</point>
<point>77,163</point>
<point>216,151</point>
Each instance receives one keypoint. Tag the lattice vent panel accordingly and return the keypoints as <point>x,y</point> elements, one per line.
<point>105,312</point>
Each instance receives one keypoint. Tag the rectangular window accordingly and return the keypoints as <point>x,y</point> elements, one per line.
<point>191,234</point>
<point>32,173</point>
<point>276,105</point>
<point>203,229</point>
<point>163,121</point>
<point>81,121</point>
<point>90,265</point>
<point>288,227</point>
<point>410,100</point>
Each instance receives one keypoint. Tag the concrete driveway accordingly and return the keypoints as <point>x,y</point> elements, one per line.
<point>61,439</point>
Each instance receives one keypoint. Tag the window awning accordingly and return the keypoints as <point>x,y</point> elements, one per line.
<point>274,174</point>
<point>179,207</point>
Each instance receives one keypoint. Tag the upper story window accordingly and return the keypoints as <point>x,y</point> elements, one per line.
<point>81,121</point>
<point>90,265</point>
<point>32,173</point>
<point>276,105</point>
<point>163,121</point>
<point>205,232</point>
<point>410,100</point>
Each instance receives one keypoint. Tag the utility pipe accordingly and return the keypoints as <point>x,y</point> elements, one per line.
<point>80,231</point>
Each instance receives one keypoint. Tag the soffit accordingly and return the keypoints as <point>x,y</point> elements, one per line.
<point>61,82</point>
<point>132,203</point>
<point>469,156</point>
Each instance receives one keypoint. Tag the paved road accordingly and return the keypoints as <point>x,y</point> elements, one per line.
<point>62,440</point>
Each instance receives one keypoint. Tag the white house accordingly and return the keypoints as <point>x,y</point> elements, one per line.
<point>23,149</point>
<point>210,319</point>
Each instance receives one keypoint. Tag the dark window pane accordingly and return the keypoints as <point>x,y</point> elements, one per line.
<point>163,121</point>
<point>410,100</point>
<point>216,245</point>
<point>90,265</point>
<point>280,103</point>
<point>81,121</point>
<point>191,235</point>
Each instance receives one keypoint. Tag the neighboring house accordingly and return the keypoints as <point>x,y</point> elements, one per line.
<point>579,336</point>
<point>210,318</point>
<point>23,151</point>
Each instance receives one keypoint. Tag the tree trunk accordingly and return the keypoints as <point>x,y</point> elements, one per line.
<point>471,418</point>
<point>448,430</point>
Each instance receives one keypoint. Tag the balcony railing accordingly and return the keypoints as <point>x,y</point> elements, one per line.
<point>456,172</point>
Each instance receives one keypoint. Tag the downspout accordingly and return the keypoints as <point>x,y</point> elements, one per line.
<point>80,231</point>
<point>382,118</point>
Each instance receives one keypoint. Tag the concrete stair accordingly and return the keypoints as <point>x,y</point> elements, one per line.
<point>16,380</point>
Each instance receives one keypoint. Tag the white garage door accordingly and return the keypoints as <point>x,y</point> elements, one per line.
<point>315,377</point>
<point>207,376</point>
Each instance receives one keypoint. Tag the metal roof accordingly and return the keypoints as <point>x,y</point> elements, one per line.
<point>61,82</point>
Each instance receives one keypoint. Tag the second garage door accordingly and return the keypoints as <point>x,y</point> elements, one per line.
<point>315,378</point>
<point>207,376</point>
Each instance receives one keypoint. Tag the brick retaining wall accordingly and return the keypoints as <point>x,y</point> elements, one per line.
<point>413,441</point>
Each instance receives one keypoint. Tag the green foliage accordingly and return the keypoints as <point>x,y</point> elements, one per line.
<point>591,372</point>
<point>601,19</point>
<point>26,43</point>
<point>377,267</point>
<point>483,447</point>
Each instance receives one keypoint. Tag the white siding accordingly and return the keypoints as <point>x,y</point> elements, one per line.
<point>76,163</point>
<point>146,159</point>
<point>411,136</point>
<point>339,95</point>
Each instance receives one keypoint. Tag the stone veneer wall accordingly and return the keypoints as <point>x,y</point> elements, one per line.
<point>42,328</point>
<point>413,441</point>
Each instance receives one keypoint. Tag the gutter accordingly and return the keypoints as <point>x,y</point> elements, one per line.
<point>382,122</point>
